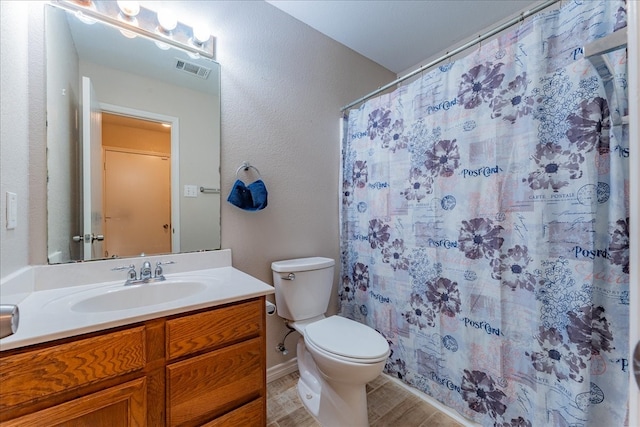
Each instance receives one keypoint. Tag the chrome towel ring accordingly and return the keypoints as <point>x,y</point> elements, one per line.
<point>246,166</point>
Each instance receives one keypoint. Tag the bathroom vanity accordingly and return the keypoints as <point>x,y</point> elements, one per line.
<point>196,361</point>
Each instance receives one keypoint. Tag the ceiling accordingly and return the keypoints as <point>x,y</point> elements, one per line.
<point>401,34</point>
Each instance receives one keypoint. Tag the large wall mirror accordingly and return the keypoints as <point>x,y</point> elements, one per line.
<point>133,144</point>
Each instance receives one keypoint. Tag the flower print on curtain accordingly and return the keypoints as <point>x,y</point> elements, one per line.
<point>485,226</point>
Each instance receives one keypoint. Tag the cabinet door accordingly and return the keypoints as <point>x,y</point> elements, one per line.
<point>122,405</point>
<point>214,383</point>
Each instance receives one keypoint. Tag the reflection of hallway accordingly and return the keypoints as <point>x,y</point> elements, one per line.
<point>137,186</point>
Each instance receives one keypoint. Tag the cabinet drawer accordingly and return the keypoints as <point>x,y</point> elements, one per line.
<point>250,415</point>
<point>207,330</point>
<point>51,370</point>
<point>122,405</point>
<point>215,382</point>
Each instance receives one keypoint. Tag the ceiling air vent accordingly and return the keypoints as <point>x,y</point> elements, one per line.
<point>193,69</point>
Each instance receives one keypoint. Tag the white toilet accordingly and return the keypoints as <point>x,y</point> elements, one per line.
<point>337,356</point>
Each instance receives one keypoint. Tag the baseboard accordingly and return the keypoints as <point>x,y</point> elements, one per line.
<point>278,371</point>
<point>433,402</point>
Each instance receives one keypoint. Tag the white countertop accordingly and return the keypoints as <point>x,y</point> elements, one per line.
<point>46,315</point>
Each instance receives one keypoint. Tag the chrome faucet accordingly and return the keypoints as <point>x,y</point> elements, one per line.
<point>145,273</point>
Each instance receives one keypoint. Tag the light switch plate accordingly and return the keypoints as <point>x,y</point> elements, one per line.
<point>12,210</point>
<point>190,191</point>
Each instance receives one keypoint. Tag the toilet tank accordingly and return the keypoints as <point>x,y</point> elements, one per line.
<point>303,287</point>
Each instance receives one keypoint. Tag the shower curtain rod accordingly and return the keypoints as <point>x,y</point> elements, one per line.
<point>465,46</point>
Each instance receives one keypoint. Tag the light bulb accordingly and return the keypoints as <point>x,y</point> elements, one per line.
<point>129,8</point>
<point>167,21</point>
<point>201,35</point>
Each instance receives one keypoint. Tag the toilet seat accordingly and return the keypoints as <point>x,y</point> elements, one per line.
<point>342,359</point>
<point>348,340</point>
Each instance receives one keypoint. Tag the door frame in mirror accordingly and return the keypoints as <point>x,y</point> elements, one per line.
<point>175,159</point>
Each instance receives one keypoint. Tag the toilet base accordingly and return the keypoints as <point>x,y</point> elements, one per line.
<point>332,405</point>
<point>310,398</point>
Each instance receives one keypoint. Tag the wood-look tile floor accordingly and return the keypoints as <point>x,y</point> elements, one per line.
<point>388,405</point>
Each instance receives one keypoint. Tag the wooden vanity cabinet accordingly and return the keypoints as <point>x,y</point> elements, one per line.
<point>206,367</point>
<point>216,363</point>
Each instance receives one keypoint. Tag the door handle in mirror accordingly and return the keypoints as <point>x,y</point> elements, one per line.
<point>88,237</point>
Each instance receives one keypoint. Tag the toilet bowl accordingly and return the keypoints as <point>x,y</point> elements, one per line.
<point>337,356</point>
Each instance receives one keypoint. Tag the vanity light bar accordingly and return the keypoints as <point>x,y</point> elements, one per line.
<point>145,23</point>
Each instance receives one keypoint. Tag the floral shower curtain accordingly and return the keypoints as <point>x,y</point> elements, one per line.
<point>485,226</point>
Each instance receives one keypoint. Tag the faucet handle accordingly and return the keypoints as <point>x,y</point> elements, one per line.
<point>159,264</point>
<point>131,271</point>
<point>124,267</point>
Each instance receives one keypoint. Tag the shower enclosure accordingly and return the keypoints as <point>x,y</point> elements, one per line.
<point>485,224</point>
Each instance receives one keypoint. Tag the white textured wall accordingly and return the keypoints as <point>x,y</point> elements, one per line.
<point>283,85</point>
<point>14,133</point>
<point>37,119</point>
<point>282,88</point>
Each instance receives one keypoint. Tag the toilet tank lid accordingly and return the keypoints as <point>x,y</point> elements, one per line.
<point>302,264</point>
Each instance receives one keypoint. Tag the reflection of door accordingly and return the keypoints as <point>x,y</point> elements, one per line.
<point>91,172</point>
<point>137,200</point>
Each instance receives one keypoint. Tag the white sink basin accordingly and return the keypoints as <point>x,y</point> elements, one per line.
<point>135,296</point>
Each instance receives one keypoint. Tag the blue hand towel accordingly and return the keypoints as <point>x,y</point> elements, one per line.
<point>240,196</point>
<point>259,194</point>
<point>250,198</point>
